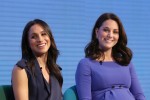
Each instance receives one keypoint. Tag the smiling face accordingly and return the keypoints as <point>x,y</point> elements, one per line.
<point>39,40</point>
<point>107,34</point>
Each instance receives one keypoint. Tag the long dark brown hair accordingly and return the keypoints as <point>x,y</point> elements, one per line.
<point>52,52</point>
<point>120,52</point>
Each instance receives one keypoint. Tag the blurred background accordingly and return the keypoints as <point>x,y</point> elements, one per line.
<point>71,23</point>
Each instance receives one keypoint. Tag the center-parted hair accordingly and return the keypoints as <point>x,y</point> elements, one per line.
<point>120,52</point>
<point>52,52</point>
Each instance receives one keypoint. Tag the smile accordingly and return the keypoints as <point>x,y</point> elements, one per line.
<point>41,45</point>
<point>108,40</point>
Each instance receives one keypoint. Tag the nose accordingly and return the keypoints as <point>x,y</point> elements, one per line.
<point>40,38</point>
<point>110,34</point>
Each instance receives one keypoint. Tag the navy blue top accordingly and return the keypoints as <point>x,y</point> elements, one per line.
<point>107,81</point>
<point>39,89</point>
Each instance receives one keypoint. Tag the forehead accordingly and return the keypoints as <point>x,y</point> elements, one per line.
<point>110,24</point>
<point>36,28</point>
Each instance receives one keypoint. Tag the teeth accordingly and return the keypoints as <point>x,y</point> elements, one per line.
<point>42,45</point>
<point>107,40</point>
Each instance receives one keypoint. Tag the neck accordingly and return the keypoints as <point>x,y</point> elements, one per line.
<point>42,60</point>
<point>107,56</point>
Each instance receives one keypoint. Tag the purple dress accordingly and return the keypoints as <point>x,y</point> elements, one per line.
<point>107,81</point>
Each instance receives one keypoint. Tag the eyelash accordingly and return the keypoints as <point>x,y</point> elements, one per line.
<point>107,30</point>
<point>44,33</point>
<point>116,32</point>
<point>34,36</point>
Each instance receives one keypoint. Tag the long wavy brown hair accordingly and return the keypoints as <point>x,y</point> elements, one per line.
<point>52,52</point>
<point>120,52</point>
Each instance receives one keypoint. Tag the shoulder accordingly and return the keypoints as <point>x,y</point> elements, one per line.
<point>85,63</point>
<point>18,73</point>
<point>19,69</point>
<point>130,65</point>
<point>85,60</point>
<point>22,63</point>
<point>84,67</point>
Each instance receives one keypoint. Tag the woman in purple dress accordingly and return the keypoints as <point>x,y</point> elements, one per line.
<point>107,72</point>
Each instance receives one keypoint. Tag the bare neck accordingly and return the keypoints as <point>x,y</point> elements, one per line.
<point>42,60</point>
<point>108,55</point>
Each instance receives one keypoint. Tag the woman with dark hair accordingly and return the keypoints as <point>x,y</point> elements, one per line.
<point>106,72</point>
<point>37,76</point>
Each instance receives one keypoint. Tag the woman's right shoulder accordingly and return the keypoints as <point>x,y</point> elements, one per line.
<point>84,66</point>
<point>84,60</point>
<point>21,63</point>
<point>19,67</point>
<point>18,72</point>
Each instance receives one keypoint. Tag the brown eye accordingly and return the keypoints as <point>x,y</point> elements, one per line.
<point>106,30</point>
<point>33,37</point>
<point>115,32</point>
<point>44,33</point>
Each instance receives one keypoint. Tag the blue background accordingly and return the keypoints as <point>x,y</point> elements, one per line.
<point>71,23</point>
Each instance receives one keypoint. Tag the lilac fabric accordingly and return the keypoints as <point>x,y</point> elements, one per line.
<point>107,81</point>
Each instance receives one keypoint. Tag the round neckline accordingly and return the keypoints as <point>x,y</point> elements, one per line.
<point>104,61</point>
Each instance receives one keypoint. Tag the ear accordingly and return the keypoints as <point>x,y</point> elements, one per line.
<point>96,32</point>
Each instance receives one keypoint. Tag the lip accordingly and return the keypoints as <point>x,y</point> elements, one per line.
<point>41,44</point>
<point>108,40</point>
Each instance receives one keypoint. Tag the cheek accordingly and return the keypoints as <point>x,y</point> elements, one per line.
<point>98,34</point>
<point>31,43</point>
<point>101,36</point>
<point>117,37</point>
<point>47,39</point>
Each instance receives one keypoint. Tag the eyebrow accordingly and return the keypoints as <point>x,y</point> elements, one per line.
<point>40,32</point>
<point>109,28</point>
<point>33,33</point>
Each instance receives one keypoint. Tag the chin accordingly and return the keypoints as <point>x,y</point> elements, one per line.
<point>41,52</point>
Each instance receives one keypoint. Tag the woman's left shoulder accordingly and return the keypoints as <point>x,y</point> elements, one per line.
<point>130,64</point>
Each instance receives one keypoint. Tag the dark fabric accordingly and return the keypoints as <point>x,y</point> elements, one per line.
<point>6,92</point>
<point>39,89</point>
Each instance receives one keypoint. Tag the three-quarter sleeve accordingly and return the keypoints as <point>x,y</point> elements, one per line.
<point>135,88</point>
<point>83,80</point>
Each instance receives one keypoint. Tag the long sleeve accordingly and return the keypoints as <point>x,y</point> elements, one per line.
<point>135,88</point>
<point>83,80</point>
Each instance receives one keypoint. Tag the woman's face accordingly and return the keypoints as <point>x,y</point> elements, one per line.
<point>107,34</point>
<point>39,40</point>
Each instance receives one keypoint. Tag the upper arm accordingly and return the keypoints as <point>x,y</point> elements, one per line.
<point>83,80</point>
<point>20,83</point>
<point>135,85</point>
